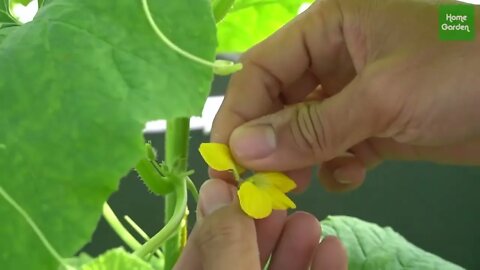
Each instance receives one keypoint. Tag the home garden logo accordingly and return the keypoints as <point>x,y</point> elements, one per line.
<point>456,22</point>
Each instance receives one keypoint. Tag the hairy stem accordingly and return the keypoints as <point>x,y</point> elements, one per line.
<point>176,155</point>
<point>119,229</point>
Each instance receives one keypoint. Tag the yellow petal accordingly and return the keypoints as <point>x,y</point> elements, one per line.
<point>218,157</point>
<point>280,201</point>
<point>279,180</point>
<point>254,202</point>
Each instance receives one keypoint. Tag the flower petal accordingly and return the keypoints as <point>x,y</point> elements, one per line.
<point>280,201</point>
<point>276,179</point>
<point>254,202</point>
<point>218,157</point>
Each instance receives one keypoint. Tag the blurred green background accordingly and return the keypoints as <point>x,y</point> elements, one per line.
<point>434,206</point>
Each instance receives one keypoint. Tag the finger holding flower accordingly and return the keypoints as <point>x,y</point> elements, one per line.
<point>260,193</point>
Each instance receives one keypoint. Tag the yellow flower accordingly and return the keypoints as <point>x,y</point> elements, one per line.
<point>218,157</point>
<point>258,194</point>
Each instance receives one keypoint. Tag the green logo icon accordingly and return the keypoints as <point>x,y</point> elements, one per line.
<point>456,22</point>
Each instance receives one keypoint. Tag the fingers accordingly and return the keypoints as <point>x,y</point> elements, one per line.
<point>347,173</point>
<point>268,233</point>
<point>330,255</point>
<point>302,177</point>
<point>222,233</point>
<point>281,61</point>
<point>465,153</point>
<point>342,174</point>
<point>308,133</point>
<point>295,249</point>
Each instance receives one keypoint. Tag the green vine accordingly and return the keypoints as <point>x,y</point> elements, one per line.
<point>143,234</point>
<point>119,229</point>
<point>172,225</point>
<point>191,187</point>
<point>137,228</point>
<point>36,229</point>
<point>220,67</point>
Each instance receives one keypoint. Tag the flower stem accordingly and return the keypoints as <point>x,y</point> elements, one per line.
<point>119,229</point>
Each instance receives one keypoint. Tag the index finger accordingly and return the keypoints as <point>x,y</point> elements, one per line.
<point>271,67</point>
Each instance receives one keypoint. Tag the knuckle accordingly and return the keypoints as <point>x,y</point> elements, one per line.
<point>309,130</point>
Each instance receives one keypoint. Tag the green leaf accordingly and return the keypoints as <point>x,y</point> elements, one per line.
<point>77,262</point>
<point>117,259</point>
<point>251,21</point>
<point>371,247</point>
<point>5,29</point>
<point>77,85</point>
<point>221,8</point>
<point>5,16</point>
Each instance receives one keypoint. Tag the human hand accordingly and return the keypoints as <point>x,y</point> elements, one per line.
<point>350,83</point>
<point>225,238</point>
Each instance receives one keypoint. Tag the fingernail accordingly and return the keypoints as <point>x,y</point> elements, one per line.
<point>253,142</point>
<point>340,177</point>
<point>214,194</point>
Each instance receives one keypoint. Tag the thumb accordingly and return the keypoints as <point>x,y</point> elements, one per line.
<point>225,237</point>
<point>312,132</point>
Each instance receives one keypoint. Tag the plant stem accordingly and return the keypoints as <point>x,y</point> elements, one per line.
<point>170,230</point>
<point>176,156</point>
<point>143,234</point>
<point>119,229</point>
<point>137,228</point>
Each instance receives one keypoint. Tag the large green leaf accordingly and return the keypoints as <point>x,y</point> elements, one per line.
<point>251,21</point>
<point>371,247</point>
<point>117,259</point>
<point>76,88</point>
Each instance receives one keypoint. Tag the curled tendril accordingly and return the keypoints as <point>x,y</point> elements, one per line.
<point>220,67</point>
